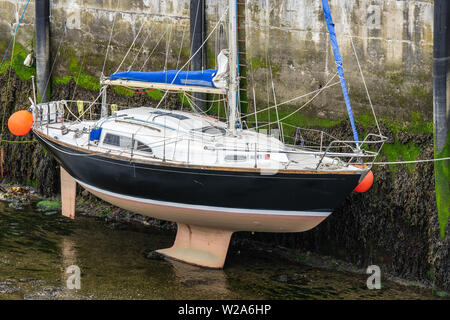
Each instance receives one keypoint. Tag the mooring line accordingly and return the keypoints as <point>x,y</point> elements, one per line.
<point>412,161</point>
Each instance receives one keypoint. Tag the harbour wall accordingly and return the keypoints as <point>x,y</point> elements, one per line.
<point>287,42</point>
<point>394,225</point>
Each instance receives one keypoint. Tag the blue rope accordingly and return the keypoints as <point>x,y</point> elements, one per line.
<point>15,32</point>
<point>338,58</point>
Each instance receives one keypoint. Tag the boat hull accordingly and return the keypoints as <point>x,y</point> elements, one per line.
<point>235,200</point>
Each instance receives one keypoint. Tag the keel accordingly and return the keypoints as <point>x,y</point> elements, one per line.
<point>201,246</point>
<point>68,194</point>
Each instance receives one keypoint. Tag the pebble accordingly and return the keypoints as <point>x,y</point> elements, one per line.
<point>155,256</point>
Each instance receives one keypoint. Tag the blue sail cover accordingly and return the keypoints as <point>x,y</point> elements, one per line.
<point>185,78</point>
<point>337,57</point>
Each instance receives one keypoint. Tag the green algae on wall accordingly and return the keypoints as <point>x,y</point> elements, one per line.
<point>81,78</point>
<point>401,152</point>
<point>19,55</point>
<point>155,94</point>
<point>442,178</point>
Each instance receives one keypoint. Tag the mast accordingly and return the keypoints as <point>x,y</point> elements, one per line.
<point>233,61</point>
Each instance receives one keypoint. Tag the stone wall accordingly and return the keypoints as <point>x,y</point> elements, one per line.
<point>393,40</point>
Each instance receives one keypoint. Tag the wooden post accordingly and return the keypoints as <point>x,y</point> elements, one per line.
<point>68,194</point>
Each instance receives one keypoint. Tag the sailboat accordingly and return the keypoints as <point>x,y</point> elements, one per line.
<point>211,177</point>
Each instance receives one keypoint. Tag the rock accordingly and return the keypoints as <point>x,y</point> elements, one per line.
<point>45,206</point>
<point>155,255</point>
<point>50,213</point>
<point>15,205</point>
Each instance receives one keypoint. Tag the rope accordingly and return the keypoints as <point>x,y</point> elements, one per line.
<point>79,74</point>
<point>13,39</point>
<point>131,47</point>
<point>291,100</point>
<point>189,60</point>
<point>54,61</point>
<point>18,142</point>
<point>344,14</point>
<point>304,105</point>
<point>15,32</point>
<point>140,50</point>
<point>110,38</point>
<point>151,53</point>
<point>413,161</point>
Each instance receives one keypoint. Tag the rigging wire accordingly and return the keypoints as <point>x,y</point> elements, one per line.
<point>319,91</point>
<point>13,42</point>
<point>280,127</point>
<point>291,100</point>
<point>13,38</point>
<point>56,57</point>
<point>110,38</point>
<point>151,53</point>
<point>132,45</point>
<point>189,60</point>
<point>347,27</point>
<point>79,74</point>
<point>412,161</point>
<point>140,50</point>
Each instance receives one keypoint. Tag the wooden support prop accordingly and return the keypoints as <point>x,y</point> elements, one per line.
<point>68,194</point>
<point>201,246</point>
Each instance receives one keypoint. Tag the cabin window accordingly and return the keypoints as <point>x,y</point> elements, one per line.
<point>212,130</point>
<point>117,141</point>
<point>112,140</point>
<point>235,157</point>
<point>143,147</point>
<point>169,114</point>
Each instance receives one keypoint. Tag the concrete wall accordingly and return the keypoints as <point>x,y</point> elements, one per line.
<point>393,40</point>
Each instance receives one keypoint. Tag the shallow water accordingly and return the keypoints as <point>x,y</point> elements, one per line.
<point>36,249</point>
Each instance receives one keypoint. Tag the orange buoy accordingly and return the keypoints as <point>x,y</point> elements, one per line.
<point>20,123</point>
<point>366,183</point>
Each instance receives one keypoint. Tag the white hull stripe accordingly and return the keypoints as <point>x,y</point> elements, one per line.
<point>208,208</point>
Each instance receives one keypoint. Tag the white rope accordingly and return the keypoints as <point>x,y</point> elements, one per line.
<point>181,48</point>
<point>413,161</point>
<point>167,48</point>
<point>110,38</point>
<point>151,53</point>
<point>280,127</point>
<point>347,27</point>
<point>304,105</point>
<point>79,74</point>
<point>293,99</point>
<point>187,62</point>
<point>140,50</point>
<point>101,92</point>
<point>132,45</point>
<point>195,28</point>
